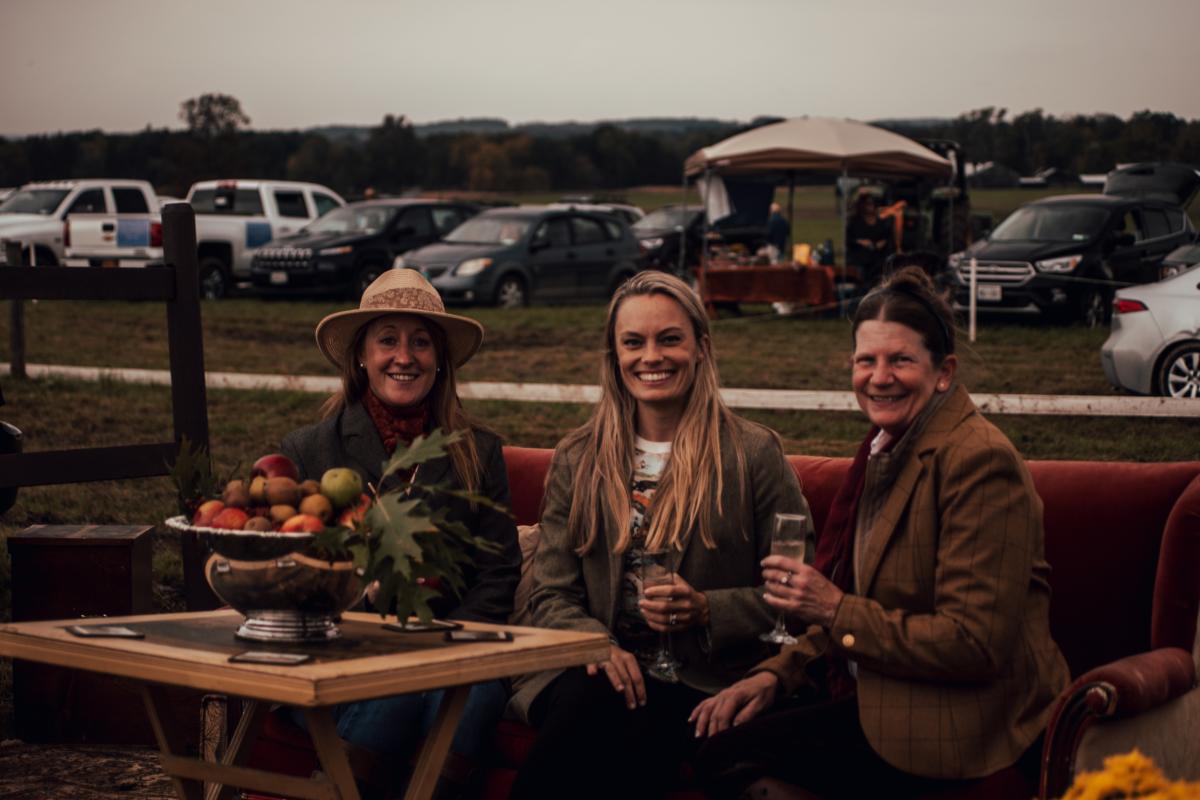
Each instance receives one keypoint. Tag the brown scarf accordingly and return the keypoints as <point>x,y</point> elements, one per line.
<point>396,425</point>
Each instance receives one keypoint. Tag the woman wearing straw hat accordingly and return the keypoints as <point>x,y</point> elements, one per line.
<point>397,354</point>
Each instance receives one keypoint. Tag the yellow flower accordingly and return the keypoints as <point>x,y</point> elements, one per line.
<point>1130,775</point>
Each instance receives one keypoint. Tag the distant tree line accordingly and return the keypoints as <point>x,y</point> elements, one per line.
<point>392,158</point>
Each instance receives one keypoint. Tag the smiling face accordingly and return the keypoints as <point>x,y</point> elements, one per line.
<point>894,375</point>
<point>657,352</point>
<point>399,356</point>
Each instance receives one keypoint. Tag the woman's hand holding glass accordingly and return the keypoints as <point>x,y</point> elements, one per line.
<point>797,590</point>
<point>673,607</point>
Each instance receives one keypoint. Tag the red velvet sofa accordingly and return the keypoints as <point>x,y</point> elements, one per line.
<point>1123,541</point>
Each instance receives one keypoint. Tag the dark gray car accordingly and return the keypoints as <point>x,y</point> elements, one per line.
<point>513,256</point>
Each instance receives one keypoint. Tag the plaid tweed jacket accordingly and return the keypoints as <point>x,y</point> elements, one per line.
<point>956,667</point>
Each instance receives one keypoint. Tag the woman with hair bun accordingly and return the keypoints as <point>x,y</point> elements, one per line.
<point>927,660</point>
<point>661,464</point>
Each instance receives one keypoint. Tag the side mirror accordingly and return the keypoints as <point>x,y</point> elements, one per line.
<point>1122,239</point>
<point>538,245</point>
<point>406,230</point>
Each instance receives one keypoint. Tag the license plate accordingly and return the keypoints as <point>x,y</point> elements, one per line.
<point>279,277</point>
<point>989,291</point>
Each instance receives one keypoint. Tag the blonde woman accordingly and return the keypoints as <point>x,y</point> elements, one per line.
<point>662,464</point>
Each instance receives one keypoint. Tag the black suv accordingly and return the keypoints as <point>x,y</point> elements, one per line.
<point>347,248</point>
<point>510,256</point>
<point>1067,255</point>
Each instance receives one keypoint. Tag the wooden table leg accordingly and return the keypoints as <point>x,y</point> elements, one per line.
<point>170,742</point>
<point>437,744</point>
<point>330,751</point>
<point>249,725</point>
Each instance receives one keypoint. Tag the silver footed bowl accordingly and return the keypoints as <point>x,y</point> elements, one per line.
<point>285,596</point>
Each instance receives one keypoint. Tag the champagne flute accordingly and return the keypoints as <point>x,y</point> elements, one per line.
<point>658,569</point>
<point>789,539</point>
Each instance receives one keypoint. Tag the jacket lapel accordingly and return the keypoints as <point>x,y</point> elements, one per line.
<point>361,443</point>
<point>953,410</point>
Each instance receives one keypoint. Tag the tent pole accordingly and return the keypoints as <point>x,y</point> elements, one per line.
<point>791,215</point>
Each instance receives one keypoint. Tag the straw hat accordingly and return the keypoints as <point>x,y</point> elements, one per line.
<point>399,291</point>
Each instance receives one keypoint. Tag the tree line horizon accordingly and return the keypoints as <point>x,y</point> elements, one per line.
<point>392,158</point>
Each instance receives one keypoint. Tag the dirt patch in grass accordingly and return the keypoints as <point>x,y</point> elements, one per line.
<point>81,772</point>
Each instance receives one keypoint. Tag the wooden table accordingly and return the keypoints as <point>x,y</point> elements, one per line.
<point>800,285</point>
<point>193,650</point>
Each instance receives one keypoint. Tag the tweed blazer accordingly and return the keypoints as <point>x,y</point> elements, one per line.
<point>350,439</point>
<point>950,632</point>
<point>582,592</point>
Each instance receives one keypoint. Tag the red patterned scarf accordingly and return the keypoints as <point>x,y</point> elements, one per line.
<point>835,552</point>
<point>396,425</point>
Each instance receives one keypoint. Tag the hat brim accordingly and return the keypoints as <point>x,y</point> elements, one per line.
<point>335,334</point>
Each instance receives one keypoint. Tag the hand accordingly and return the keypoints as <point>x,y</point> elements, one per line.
<point>624,674</point>
<point>800,591</point>
<point>675,606</point>
<point>737,704</point>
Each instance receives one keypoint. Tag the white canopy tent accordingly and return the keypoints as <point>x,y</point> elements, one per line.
<point>808,146</point>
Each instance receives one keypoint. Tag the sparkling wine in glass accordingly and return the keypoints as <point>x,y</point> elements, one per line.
<point>790,539</point>
<point>658,569</point>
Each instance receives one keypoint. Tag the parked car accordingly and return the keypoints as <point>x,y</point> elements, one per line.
<point>130,235</point>
<point>346,249</point>
<point>233,217</point>
<point>1179,259</point>
<point>1065,255</point>
<point>630,214</point>
<point>36,214</point>
<point>660,232</point>
<point>512,256</point>
<point>1154,347</point>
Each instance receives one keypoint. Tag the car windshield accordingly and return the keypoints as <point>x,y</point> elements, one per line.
<point>1051,223</point>
<point>665,218</point>
<point>489,230</point>
<point>33,201</point>
<point>366,221</point>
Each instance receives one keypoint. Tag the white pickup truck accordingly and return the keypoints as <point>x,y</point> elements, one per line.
<point>130,237</point>
<point>36,214</point>
<point>233,217</point>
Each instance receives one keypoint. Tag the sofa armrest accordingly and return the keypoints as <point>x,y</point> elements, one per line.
<point>1123,688</point>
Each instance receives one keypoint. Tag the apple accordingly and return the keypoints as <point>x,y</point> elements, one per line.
<point>207,511</point>
<point>353,515</point>
<point>276,465</point>
<point>303,522</point>
<point>341,485</point>
<point>318,505</point>
<point>310,487</point>
<point>232,519</point>
<point>258,490</point>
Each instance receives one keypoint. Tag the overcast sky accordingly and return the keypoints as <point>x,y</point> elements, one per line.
<point>120,65</point>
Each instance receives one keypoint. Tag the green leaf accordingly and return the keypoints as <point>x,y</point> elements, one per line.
<point>423,448</point>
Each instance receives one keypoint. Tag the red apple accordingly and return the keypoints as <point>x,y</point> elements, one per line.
<point>231,519</point>
<point>275,465</point>
<point>302,523</point>
<point>207,511</point>
<point>353,515</point>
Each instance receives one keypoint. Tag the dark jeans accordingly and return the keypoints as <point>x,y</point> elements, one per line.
<point>589,745</point>
<point>815,744</point>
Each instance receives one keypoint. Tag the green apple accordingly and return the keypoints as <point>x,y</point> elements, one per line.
<point>341,485</point>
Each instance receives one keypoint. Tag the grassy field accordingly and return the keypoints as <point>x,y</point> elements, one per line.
<point>559,345</point>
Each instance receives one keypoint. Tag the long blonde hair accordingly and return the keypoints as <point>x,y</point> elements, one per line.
<point>682,501</point>
<point>444,405</point>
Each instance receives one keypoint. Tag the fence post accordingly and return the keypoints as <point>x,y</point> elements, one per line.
<point>16,329</point>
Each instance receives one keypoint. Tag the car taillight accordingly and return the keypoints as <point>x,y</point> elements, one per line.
<point>156,234</point>
<point>66,233</point>
<point>1122,305</point>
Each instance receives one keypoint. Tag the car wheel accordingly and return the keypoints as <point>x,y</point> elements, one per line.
<point>1094,307</point>
<point>214,281</point>
<point>511,293</point>
<point>1179,373</point>
<point>366,276</point>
